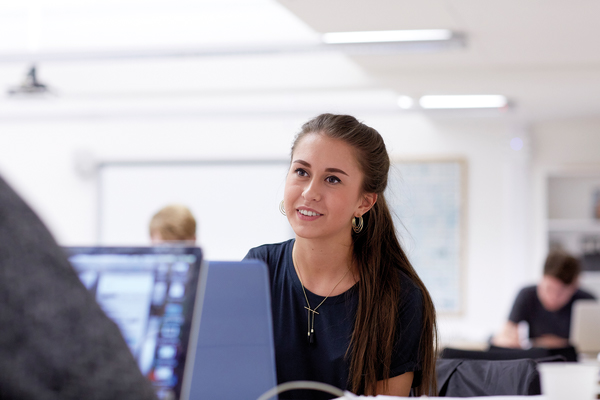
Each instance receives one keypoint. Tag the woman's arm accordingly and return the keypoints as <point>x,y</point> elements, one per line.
<point>397,386</point>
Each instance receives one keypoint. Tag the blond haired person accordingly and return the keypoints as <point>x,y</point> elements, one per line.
<point>174,222</point>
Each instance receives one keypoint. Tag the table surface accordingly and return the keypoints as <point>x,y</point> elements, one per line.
<point>538,397</point>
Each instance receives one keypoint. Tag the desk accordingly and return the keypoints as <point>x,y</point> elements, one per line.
<point>538,397</point>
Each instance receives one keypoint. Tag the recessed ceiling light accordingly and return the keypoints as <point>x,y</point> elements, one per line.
<point>417,35</point>
<point>405,102</point>
<point>463,101</point>
<point>516,143</point>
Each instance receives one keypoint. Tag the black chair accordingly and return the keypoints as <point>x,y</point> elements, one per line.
<point>503,353</point>
<point>569,352</point>
<point>468,378</point>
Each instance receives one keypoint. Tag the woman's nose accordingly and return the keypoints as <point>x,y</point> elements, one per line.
<point>312,191</point>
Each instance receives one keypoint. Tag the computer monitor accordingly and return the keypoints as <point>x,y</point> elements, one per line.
<point>154,295</point>
<point>197,329</point>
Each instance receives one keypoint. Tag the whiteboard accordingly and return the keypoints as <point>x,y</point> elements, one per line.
<point>236,203</point>
<point>236,206</point>
<point>427,200</point>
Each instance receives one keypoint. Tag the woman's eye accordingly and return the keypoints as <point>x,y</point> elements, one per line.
<point>333,179</point>
<point>301,172</point>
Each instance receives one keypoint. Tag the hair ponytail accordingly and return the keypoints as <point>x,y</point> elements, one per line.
<point>379,297</point>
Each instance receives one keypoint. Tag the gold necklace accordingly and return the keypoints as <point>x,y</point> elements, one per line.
<point>311,312</point>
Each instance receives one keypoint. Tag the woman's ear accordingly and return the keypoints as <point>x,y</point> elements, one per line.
<point>368,201</point>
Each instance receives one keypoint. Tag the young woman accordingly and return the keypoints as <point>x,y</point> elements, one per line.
<point>348,307</point>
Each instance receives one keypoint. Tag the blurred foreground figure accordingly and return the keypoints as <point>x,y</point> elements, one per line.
<point>55,341</point>
<point>173,223</point>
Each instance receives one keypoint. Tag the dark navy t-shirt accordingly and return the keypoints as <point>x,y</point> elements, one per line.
<point>326,360</point>
<point>527,307</point>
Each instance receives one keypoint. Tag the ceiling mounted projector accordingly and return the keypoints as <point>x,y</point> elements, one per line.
<point>30,85</point>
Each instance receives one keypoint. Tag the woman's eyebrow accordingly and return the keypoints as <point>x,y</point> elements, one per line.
<point>339,171</point>
<point>306,164</point>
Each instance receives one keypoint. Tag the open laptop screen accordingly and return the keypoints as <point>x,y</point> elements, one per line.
<point>149,292</point>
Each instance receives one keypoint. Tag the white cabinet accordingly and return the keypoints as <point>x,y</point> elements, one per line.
<point>574,221</point>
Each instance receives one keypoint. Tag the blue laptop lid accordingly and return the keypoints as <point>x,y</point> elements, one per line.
<point>235,355</point>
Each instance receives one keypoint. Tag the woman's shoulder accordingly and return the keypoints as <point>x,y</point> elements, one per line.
<point>409,290</point>
<point>271,251</point>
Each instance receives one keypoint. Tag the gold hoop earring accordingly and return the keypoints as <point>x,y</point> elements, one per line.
<point>282,207</point>
<point>357,227</point>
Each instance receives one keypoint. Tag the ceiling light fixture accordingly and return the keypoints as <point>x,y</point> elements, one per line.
<point>405,102</point>
<point>418,35</point>
<point>463,101</point>
<point>351,43</point>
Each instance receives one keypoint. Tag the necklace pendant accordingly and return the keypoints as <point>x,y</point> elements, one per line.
<point>311,337</point>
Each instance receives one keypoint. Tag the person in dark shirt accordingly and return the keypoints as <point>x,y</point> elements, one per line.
<point>547,306</point>
<point>348,307</point>
<point>324,359</point>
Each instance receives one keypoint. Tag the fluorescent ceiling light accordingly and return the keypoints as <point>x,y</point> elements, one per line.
<point>419,35</point>
<point>463,101</point>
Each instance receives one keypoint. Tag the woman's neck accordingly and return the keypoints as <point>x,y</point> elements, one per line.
<point>323,265</point>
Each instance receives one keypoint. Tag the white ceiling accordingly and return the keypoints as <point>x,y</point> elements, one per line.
<point>543,55</point>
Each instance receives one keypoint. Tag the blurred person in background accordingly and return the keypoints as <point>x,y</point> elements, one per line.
<point>173,223</point>
<point>547,306</point>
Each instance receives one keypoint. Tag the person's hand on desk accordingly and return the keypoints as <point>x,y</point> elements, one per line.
<point>550,341</point>
<point>508,337</point>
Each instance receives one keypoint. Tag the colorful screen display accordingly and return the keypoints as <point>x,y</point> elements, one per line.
<point>150,294</point>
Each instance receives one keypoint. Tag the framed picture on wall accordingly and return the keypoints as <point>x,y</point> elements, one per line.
<point>428,201</point>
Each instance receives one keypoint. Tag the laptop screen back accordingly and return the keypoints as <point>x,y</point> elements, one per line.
<point>235,355</point>
<point>585,326</point>
<point>150,293</point>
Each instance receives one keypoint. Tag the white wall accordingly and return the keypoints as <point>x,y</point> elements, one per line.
<point>506,210</point>
<point>497,248</point>
<point>566,149</point>
<point>39,159</point>
<point>560,147</point>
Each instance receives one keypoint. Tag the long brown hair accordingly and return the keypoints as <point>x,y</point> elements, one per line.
<point>378,255</point>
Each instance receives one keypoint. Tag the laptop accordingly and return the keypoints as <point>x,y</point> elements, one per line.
<point>235,354</point>
<point>585,327</point>
<point>196,329</point>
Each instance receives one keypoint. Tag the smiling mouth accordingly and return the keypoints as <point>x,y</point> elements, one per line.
<point>309,213</point>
